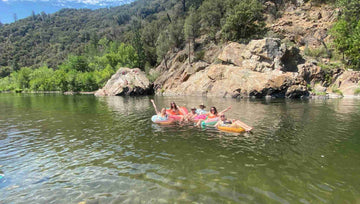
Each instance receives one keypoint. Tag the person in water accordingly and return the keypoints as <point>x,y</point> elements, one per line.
<point>213,114</point>
<point>162,115</point>
<point>174,110</point>
<point>190,116</point>
<point>201,110</point>
<point>232,123</point>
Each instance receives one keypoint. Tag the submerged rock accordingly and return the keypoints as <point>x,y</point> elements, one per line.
<point>126,82</point>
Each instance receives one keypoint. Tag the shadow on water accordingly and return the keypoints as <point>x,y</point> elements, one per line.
<point>68,149</point>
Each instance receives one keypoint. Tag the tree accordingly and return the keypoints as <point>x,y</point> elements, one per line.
<point>346,32</point>
<point>191,29</point>
<point>23,78</point>
<point>162,47</point>
<point>211,12</point>
<point>137,43</point>
<point>244,20</point>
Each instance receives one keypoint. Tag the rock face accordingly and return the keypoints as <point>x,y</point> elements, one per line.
<point>126,82</point>
<point>262,68</point>
<point>262,55</point>
<point>347,82</point>
<point>306,25</point>
<point>258,69</point>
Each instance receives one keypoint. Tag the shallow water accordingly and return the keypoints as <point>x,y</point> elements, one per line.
<point>69,149</point>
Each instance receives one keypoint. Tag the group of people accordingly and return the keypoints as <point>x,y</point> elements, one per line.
<point>198,115</point>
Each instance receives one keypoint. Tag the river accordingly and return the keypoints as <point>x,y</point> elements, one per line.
<point>83,149</point>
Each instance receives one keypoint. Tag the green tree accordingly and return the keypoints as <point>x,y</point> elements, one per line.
<point>137,43</point>
<point>211,13</point>
<point>78,63</point>
<point>244,20</point>
<point>346,32</point>
<point>22,78</point>
<point>41,79</point>
<point>191,30</point>
<point>5,71</point>
<point>162,46</point>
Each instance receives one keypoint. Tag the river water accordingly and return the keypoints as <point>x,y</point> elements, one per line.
<point>70,149</point>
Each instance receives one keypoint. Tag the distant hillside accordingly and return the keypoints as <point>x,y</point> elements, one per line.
<point>13,10</point>
<point>49,38</point>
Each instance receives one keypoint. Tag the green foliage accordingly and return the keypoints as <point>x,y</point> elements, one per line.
<point>211,13</point>
<point>5,71</point>
<point>337,91</point>
<point>244,20</point>
<point>162,45</point>
<point>199,55</point>
<point>78,63</point>
<point>320,93</point>
<point>346,32</point>
<point>191,26</point>
<point>330,66</point>
<point>357,91</point>
<point>77,73</point>
<point>316,52</point>
<point>22,78</point>
<point>42,79</point>
<point>153,76</point>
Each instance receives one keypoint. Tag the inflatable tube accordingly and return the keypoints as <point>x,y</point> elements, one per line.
<point>161,120</point>
<point>209,122</point>
<point>231,129</point>
<point>182,110</point>
<point>198,117</point>
<point>176,117</point>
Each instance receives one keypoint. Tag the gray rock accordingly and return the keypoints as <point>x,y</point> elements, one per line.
<point>126,82</point>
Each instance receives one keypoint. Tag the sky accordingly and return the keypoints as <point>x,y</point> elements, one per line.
<point>24,8</point>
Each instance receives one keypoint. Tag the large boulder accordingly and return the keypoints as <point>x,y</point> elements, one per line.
<point>231,81</point>
<point>126,82</point>
<point>262,55</point>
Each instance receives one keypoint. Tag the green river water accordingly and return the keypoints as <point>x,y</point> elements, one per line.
<point>70,149</point>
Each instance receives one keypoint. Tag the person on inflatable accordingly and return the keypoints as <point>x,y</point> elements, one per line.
<point>201,110</point>
<point>232,123</point>
<point>213,114</point>
<point>190,116</point>
<point>162,115</point>
<point>175,112</point>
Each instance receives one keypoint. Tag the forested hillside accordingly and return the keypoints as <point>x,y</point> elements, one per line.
<point>82,48</point>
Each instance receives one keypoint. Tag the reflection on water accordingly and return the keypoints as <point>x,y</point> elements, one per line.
<point>68,149</point>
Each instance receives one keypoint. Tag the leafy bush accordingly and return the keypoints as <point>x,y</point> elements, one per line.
<point>336,90</point>
<point>244,20</point>
<point>199,55</point>
<point>346,32</point>
<point>316,52</point>
<point>357,91</point>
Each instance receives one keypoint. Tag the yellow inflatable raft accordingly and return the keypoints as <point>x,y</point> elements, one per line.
<point>231,129</point>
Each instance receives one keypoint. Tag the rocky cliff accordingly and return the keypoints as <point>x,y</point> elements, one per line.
<point>261,68</point>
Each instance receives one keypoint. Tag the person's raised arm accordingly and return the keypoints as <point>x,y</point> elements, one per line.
<point>152,101</point>
<point>222,112</point>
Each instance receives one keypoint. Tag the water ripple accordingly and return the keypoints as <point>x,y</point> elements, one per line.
<point>62,149</point>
